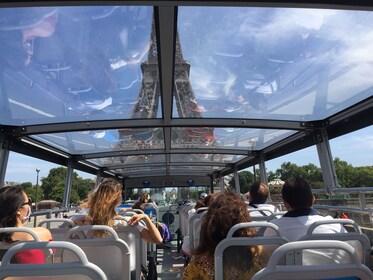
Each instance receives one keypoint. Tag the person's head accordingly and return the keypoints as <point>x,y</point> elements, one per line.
<point>104,201</point>
<point>199,204</point>
<point>15,209</point>
<point>209,198</point>
<point>138,205</point>
<point>259,192</point>
<point>203,195</point>
<point>144,198</point>
<point>225,210</point>
<point>297,194</point>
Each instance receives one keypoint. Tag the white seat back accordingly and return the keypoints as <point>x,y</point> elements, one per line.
<point>58,227</point>
<point>5,246</point>
<point>275,271</point>
<point>79,269</point>
<point>194,225</point>
<point>131,236</point>
<point>357,239</point>
<point>231,247</point>
<point>258,214</point>
<point>111,254</point>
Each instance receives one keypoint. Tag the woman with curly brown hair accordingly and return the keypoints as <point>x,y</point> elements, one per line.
<point>102,211</point>
<point>225,211</point>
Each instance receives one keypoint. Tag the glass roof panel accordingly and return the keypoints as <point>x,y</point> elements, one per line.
<point>226,138</point>
<point>193,169</point>
<point>64,64</point>
<point>146,171</point>
<point>272,63</point>
<point>128,160</point>
<point>205,158</point>
<point>96,141</point>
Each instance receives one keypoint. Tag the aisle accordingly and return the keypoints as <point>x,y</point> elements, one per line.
<point>170,262</point>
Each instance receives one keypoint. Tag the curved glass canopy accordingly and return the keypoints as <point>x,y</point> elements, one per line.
<point>133,91</point>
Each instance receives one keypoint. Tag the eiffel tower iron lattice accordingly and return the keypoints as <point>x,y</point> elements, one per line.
<point>149,97</point>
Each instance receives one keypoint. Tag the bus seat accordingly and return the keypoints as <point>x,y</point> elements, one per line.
<point>231,246</point>
<point>132,237</point>
<point>194,227</point>
<point>58,227</point>
<point>352,270</point>
<point>258,214</point>
<point>4,247</point>
<point>80,269</point>
<point>110,253</point>
<point>356,238</point>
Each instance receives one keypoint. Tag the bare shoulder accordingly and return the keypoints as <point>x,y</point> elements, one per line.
<point>43,233</point>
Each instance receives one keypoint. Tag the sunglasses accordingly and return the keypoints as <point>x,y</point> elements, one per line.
<point>27,203</point>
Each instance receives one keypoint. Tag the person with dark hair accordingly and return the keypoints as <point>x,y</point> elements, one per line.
<point>298,200</point>
<point>15,210</point>
<point>102,206</point>
<point>257,197</point>
<point>225,211</point>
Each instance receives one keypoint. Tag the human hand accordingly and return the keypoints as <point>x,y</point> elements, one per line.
<point>135,219</point>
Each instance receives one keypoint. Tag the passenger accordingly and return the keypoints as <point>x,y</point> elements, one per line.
<point>257,197</point>
<point>102,206</point>
<point>203,195</point>
<point>138,205</point>
<point>225,211</point>
<point>144,198</point>
<point>298,200</point>
<point>15,210</point>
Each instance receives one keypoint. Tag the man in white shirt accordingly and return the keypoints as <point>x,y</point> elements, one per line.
<point>257,197</point>
<point>298,200</point>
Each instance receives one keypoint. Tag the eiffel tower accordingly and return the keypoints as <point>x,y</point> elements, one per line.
<point>149,95</point>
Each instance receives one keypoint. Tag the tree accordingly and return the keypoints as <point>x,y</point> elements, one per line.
<point>345,172</point>
<point>362,177</point>
<point>287,170</point>
<point>245,178</point>
<point>53,186</point>
<point>30,190</point>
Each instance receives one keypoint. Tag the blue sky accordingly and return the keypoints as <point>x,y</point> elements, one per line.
<point>356,148</point>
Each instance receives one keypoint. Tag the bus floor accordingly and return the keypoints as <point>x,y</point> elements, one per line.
<point>170,263</point>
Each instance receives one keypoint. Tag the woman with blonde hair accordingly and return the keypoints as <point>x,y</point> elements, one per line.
<point>102,206</point>
<point>225,210</point>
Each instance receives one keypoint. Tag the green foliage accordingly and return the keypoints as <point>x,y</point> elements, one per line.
<point>348,176</point>
<point>353,177</point>
<point>53,186</point>
<point>245,178</point>
<point>30,190</point>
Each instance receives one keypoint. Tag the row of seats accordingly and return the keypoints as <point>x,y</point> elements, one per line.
<point>81,268</point>
<point>292,260</point>
<point>120,255</point>
<point>355,238</point>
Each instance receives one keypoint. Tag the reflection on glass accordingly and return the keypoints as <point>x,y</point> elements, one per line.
<point>128,160</point>
<point>228,138</point>
<point>274,63</point>
<point>96,141</point>
<point>73,63</point>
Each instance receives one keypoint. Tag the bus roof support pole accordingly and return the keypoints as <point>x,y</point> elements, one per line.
<point>67,193</point>
<point>326,161</point>
<point>236,181</point>
<point>98,178</point>
<point>263,172</point>
<point>4,157</point>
